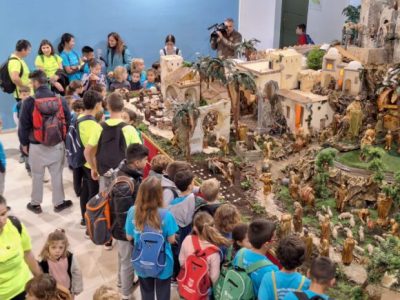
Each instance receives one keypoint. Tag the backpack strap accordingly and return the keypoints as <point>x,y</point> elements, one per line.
<point>301,295</point>
<point>229,253</point>
<point>174,192</point>
<point>240,259</point>
<point>258,265</point>
<point>17,223</point>
<point>165,51</point>
<point>177,51</point>
<point>303,280</point>
<point>202,252</point>
<point>273,277</point>
<point>69,258</point>
<point>123,179</point>
<point>44,265</point>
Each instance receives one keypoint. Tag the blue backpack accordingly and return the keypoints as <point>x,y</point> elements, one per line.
<point>309,40</point>
<point>73,144</point>
<point>148,255</point>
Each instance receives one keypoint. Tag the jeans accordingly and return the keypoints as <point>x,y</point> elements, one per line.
<point>149,287</point>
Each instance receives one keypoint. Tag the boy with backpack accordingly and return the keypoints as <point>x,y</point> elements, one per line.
<point>322,274</point>
<point>302,37</point>
<point>209,191</point>
<point>44,120</point>
<point>170,191</point>
<point>291,255</point>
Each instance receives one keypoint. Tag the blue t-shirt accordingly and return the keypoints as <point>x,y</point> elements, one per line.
<point>285,283</point>
<point>2,155</point>
<point>249,258</point>
<point>71,59</point>
<point>310,294</point>
<point>143,77</point>
<point>169,228</point>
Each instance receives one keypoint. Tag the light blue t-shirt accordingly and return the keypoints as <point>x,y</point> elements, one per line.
<point>143,77</point>
<point>285,283</point>
<point>310,294</point>
<point>249,258</point>
<point>2,155</point>
<point>169,228</point>
<point>71,59</point>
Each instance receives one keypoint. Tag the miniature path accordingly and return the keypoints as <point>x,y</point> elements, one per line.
<point>360,172</point>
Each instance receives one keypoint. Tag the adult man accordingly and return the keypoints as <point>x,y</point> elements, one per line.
<point>43,123</point>
<point>17,68</point>
<point>227,43</point>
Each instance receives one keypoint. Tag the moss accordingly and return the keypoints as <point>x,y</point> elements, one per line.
<point>314,59</point>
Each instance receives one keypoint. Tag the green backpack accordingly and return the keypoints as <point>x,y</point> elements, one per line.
<point>235,282</point>
<point>226,266</point>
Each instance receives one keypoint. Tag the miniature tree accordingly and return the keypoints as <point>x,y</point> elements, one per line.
<point>352,13</point>
<point>323,161</point>
<point>247,47</point>
<point>374,156</point>
<point>314,59</point>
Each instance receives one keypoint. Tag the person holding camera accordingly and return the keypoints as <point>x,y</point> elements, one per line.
<point>227,41</point>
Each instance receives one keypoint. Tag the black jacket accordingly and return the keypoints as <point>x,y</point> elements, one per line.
<point>25,129</point>
<point>122,200</point>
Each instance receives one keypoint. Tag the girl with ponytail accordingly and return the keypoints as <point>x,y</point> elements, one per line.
<point>71,60</point>
<point>208,235</point>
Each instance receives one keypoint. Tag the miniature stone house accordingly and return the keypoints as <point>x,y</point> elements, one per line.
<point>352,83</point>
<point>309,78</point>
<point>222,128</point>
<point>262,71</point>
<point>331,67</point>
<point>306,110</point>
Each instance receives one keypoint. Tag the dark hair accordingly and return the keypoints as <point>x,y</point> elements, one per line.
<point>239,233</point>
<point>290,252</point>
<point>176,166</point>
<point>43,43</point>
<point>131,114</point>
<point>159,163</point>
<point>94,62</point>
<point>322,270</point>
<point>98,87</point>
<point>42,287</point>
<point>65,38</point>
<point>119,48</point>
<point>136,152</point>
<point>156,65</point>
<point>91,98</point>
<point>73,86</point>
<point>183,179</point>
<point>303,27</point>
<point>260,232</point>
<point>87,49</point>
<point>77,104</point>
<point>22,45</point>
<point>170,38</point>
<point>39,76</point>
<point>3,200</point>
<point>115,102</point>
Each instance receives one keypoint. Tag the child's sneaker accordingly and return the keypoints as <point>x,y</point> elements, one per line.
<point>108,246</point>
<point>34,208</point>
<point>83,224</point>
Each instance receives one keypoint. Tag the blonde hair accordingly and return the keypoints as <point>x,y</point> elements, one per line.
<point>149,200</point>
<point>159,163</point>
<point>106,292</point>
<point>226,217</point>
<point>203,224</point>
<point>120,73</point>
<point>56,236</point>
<point>210,189</point>
<point>135,62</point>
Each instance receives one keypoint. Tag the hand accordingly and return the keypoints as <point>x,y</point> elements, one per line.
<point>94,77</point>
<point>25,150</point>
<point>95,175</point>
<point>110,74</point>
<point>58,86</point>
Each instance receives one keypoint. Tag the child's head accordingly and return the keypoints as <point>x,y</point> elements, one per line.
<point>184,180</point>
<point>227,216</point>
<point>260,233</point>
<point>74,87</point>
<point>42,287</point>
<point>129,116</point>
<point>92,100</point>
<point>151,75</point>
<point>88,53</point>
<point>159,163</point>
<point>46,48</point>
<point>170,42</point>
<point>135,76</point>
<point>210,189</point>
<point>77,106</point>
<point>301,28</point>
<point>95,67</point>
<point>136,156</point>
<point>239,236</point>
<point>24,92</point>
<point>106,292</point>
<point>176,166</point>
<point>99,87</point>
<point>115,102</point>
<point>203,226</point>
<point>291,252</point>
<point>137,64</point>
<point>56,246</point>
<point>120,74</point>
<point>323,271</point>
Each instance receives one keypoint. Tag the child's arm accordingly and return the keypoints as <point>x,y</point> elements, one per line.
<point>214,265</point>
<point>183,253</point>
<point>76,277</point>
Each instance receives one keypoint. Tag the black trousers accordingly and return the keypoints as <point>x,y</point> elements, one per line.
<point>149,287</point>
<point>90,188</point>
<point>77,177</point>
<point>19,296</point>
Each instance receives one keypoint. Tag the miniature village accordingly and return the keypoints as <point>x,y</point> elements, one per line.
<point>306,136</point>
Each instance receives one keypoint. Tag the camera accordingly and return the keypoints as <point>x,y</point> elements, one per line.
<point>214,36</point>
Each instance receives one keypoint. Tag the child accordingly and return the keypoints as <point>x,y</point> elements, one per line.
<point>136,85</point>
<point>148,212</point>
<point>322,274</point>
<point>60,263</point>
<point>45,287</point>
<point>302,37</point>
<point>24,93</point>
<point>87,56</point>
<point>94,76</point>
<point>151,80</point>
<point>75,89</point>
<point>104,114</point>
<point>77,108</point>
<point>120,79</point>
<point>105,292</point>
<point>170,191</point>
<point>138,66</point>
<point>159,165</point>
<point>209,191</point>
<point>204,235</point>
<point>226,218</point>
<point>131,118</point>
<point>260,234</point>
<point>275,285</point>
<point>240,238</point>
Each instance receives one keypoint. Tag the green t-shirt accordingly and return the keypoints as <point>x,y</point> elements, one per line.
<point>49,64</point>
<point>14,272</point>
<point>14,65</point>
<point>86,130</point>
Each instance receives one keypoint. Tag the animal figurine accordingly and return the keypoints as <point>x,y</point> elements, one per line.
<point>348,247</point>
<point>384,206</point>
<point>361,235</point>
<point>370,249</point>
<point>230,173</point>
<point>223,145</point>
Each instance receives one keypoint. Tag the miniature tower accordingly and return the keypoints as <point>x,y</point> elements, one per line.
<point>169,64</point>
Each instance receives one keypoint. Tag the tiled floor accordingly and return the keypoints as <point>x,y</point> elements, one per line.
<point>98,265</point>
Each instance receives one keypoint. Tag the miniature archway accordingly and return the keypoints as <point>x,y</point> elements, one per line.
<point>171,93</point>
<point>191,94</point>
<point>347,86</point>
<point>209,126</point>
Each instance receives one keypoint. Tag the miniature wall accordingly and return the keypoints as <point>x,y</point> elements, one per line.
<point>142,24</point>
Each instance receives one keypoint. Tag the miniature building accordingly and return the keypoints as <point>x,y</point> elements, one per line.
<point>308,78</point>
<point>387,105</point>
<point>352,83</point>
<point>305,109</point>
<point>330,67</point>
<point>263,71</point>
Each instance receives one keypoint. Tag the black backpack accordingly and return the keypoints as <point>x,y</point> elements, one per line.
<point>6,84</point>
<point>303,296</point>
<point>17,223</point>
<point>111,147</point>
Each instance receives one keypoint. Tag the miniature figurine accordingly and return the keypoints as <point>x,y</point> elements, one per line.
<point>231,173</point>
<point>300,140</point>
<point>336,123</point>
<point>308,241</point>
<point>223,145</point>
<point>395,228</point>
<point>348,247</point>
<point>369,137</point>
<point>355,116</point>
<point>243,129</point>
<point>307,196</point>
<point>324,248</point>
<point>388,141</point>
<point>266,179</point>
<point>285,225</point>
<point>363,214</point>
<point>341,195</point>
<point>298,217</point>
<point>294,188</point>
<point>384,206</point>
<point>379,124</point>
<point>361,234</point>
<point>326,229</point>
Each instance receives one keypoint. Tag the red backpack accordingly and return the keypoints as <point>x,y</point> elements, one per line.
<point>49,126</point>
<point>193,280</point>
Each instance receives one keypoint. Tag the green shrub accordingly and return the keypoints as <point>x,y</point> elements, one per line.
<point>314,59</point>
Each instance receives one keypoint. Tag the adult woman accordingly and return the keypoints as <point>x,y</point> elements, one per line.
<point>16,258</point>
<point>170,48</point>
<point>51,64</point>
<point>70,58</point>
<point>117,54</point>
